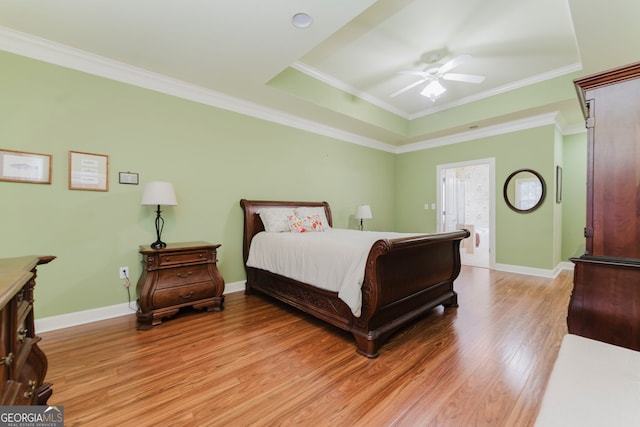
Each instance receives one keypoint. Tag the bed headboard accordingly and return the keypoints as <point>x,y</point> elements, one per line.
<point>253,224</point>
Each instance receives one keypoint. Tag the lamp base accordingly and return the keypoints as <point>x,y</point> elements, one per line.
<point>158,245</point>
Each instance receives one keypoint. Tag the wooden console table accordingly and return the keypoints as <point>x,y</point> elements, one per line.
<point>179,275</point>
<point>23,365</point>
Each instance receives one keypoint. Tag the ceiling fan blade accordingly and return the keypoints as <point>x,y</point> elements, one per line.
<point>406,88</point>
<point>454,63</point>
<point>469,78</point>
<point>422,74</point>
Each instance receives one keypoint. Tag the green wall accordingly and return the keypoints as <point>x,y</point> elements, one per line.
<point>295,82</point>
<point>216,157</point>
<point>527,98</point>
<point>521,239</point>
<point>213,157</point>
<point>574,195</point>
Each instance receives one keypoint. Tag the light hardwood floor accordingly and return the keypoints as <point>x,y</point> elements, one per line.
<point>260,363</point>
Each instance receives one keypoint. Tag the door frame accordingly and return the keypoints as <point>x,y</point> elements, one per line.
<point>491,161</point>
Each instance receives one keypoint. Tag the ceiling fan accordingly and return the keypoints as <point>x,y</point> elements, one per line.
<point>432,74</point>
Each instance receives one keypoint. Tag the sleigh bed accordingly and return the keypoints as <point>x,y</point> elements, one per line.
<point>403,278</point>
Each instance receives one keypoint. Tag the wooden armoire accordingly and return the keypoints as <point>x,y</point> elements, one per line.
<point>605,303</point>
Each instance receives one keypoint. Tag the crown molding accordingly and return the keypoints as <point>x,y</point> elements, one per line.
<point>440,107</point>
<point>339,84</point>
<point>54,53</point>
<point>65,56</point>
<point>513,126</point>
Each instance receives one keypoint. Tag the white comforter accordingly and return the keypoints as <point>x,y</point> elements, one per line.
<point>333,260</point>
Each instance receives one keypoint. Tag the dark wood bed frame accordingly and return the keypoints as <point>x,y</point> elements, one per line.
<point>403,279</point>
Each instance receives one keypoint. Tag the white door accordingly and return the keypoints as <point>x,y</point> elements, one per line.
<point>466,200</point>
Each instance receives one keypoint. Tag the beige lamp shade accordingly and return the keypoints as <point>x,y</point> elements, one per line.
<point>363,212</point>
<point>159,193</point>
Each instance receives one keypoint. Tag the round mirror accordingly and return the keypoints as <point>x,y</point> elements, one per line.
<point>524,190</point>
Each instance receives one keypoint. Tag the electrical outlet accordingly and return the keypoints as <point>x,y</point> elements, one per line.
<point>124,272</point>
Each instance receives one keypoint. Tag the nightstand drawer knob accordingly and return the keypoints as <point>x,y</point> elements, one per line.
<point>184,276</point>
<point>187,296</point>
<point>7,360</point>
<point>167,259</point>
<point>22,334</point>
<point>29,394</point>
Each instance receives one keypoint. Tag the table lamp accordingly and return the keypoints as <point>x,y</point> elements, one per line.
<point>363,212</point>
<point>159,193</point>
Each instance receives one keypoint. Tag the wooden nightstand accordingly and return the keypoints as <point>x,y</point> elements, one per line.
<point>180,275</point>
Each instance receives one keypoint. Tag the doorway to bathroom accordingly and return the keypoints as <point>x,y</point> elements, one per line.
<point>466,199</point>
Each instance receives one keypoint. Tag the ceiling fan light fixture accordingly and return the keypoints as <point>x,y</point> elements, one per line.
<point>433,90</point>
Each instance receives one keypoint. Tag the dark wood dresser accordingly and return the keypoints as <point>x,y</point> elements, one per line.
<point>179,275</point>
<point>23,365</point>
<point>605,303</point>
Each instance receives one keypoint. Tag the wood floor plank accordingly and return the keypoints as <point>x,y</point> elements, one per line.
<point>261,363</point>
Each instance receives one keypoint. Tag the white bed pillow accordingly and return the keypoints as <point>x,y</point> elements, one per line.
<point>275,220</point>
<point>303,212</point>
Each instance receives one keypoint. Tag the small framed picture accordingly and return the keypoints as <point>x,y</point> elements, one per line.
<point>22,166</point>
<point>128,178</point>
<point>88,171</point>
<point>558,184</point>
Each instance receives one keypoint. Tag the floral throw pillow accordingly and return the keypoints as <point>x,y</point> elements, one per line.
<point>307,224</point>
<point>303,212</point>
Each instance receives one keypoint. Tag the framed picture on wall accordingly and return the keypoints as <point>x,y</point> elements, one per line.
<point>128,178</point>
<point>558,184</point>
<point>88,171</point>
<point>22,166</point>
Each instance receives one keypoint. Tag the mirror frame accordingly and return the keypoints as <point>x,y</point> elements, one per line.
<point>542,196</point>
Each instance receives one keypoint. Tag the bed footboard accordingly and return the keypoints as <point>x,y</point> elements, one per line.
<point>404,278</point>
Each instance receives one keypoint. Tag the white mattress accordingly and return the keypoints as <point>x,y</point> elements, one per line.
<point>333,260</point>
<point>592,384</point>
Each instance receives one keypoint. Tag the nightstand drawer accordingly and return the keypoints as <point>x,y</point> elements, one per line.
<point>182,275</point>
<point>182,258</point>
<point>183,295</point>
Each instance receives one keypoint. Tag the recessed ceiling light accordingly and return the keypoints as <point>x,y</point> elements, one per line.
<point>301,20</point>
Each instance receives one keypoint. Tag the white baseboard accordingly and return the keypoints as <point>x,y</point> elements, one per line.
<point>531,271</point>
<point>102,313</point>
<point>68,320</point>
<point>566,265</point>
